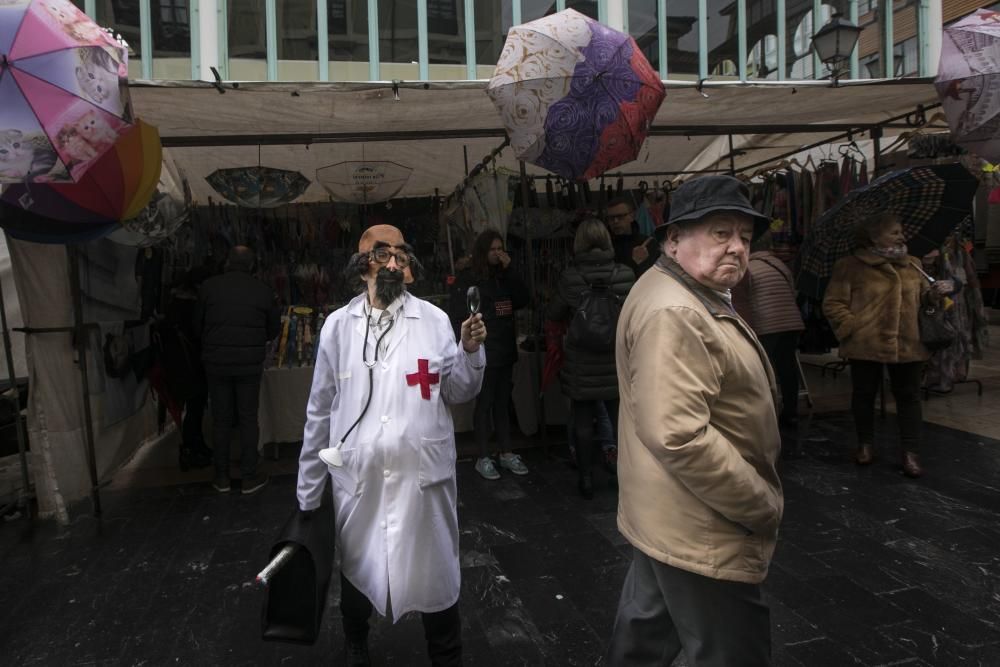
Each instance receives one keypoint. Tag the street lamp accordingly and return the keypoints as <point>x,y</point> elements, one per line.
<point>834,43</point>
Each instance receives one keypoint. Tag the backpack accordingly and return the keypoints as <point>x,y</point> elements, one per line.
<point>595,321</point>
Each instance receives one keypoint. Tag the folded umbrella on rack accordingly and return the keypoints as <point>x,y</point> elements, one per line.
<point>297,591</point>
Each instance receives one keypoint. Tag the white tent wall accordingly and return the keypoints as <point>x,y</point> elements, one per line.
<point>56,426</point>
<point>14,318</point>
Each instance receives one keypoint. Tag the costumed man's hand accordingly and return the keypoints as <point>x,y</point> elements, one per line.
<point>473,333</point>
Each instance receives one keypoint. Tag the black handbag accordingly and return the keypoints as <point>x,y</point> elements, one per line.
<point>936,332</point>
<point>296,594</point>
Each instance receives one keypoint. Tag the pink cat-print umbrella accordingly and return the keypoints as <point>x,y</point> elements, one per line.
<point>64,86</point>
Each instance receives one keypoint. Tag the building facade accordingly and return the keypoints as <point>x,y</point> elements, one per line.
<point>372,40</point>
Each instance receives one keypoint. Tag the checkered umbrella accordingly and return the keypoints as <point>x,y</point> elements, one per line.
<point>930,202</point>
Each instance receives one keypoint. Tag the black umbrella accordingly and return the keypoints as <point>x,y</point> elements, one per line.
<point>930,202</point>
<point>298,578</point>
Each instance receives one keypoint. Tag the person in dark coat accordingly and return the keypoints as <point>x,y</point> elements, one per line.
<point>765,299</point>
<point>632,249</point>
<point>501,293</point>
<point>182,367</point>
<point>588,377</point>
<point>237,316</point>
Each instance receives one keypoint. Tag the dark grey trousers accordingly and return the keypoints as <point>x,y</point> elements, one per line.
<point>234,395</point>
<point>664,609</point>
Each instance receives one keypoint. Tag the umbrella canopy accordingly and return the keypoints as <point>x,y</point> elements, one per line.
<point>116,187</point>
<point>64,86</point>
<point>258,187</point>
<point>929,201</point>
<point>968,82</point>
<point>363,182</point>
<point>576,97</point>
<point>169,208</point>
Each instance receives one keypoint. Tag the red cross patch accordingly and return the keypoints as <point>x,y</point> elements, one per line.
<point>424,378</point>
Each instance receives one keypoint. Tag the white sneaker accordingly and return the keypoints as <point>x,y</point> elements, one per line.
<point>487,468</point>
<point>513,463</point>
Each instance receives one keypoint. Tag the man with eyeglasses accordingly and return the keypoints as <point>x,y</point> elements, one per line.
<point>379,426</point>
<point>632,249</point>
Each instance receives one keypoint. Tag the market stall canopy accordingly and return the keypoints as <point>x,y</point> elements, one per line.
<point>306,126</point>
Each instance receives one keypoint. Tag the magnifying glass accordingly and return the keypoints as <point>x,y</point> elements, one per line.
<point>472,300</point>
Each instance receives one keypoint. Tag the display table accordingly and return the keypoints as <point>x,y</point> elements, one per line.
<point>284,395</point>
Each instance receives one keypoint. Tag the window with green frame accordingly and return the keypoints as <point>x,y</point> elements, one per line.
<point>347,34</point>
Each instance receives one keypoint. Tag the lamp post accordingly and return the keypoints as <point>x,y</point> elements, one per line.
<point>834,43</point>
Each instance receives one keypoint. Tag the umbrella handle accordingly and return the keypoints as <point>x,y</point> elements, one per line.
<point>923,273</point>
<point>276,564</point>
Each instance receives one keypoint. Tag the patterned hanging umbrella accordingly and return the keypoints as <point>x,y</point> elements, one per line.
<point>363,182</point>
<point>929,201</point>
<point>168,210</point>
<point>576,97</point>
<point>116,187</point>
<point>63,83</point>
<point>968,82</point>
<point>258,187</point>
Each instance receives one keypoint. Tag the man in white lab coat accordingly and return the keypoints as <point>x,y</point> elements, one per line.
<point>379,425</point>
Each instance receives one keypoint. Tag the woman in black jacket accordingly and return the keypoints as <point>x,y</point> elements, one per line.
<point>501,292</point>
<point>589,375</point>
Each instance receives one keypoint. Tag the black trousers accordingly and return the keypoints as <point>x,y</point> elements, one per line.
<point>780,349</point>
<point>866,379</point>
<point>192,435</point>
<point>442,629</point>
<point>239,395</point>
<point>494,400</point>
<point>664,609</point>
<point>583,415</point>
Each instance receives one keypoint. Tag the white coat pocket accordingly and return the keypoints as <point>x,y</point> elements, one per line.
<point>437,460</point>
<point>345,477</point>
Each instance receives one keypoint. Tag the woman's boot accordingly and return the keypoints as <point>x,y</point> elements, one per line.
<point>864,455</point>
<point>911,465</point>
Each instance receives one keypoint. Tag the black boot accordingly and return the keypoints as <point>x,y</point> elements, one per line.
<point>586,485</point>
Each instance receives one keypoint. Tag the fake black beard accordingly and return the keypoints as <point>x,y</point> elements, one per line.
<point>388,286</point>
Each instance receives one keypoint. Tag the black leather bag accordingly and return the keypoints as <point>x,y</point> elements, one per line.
<point>936,332</point>
<point>296,594</point>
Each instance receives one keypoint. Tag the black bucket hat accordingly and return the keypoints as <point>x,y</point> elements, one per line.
<point>697,198</point>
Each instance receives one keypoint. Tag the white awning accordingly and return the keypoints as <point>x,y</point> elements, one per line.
<point>426,126</point>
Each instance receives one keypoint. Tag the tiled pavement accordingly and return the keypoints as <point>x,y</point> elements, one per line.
<point>871,569</point>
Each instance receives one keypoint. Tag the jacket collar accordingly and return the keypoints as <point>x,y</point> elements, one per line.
<point>718,308</point>
<point>409,309</point>
<point>712,300</point>
<point>871,259</point>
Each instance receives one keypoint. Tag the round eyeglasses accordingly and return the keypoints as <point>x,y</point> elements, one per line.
<point>383,255</point>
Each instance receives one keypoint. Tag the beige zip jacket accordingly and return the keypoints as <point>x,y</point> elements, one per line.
<point>698,434</point>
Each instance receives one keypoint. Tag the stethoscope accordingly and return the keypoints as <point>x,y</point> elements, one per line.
<point>332,455</point>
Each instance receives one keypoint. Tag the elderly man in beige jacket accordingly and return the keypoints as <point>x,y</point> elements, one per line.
<point>700,500</point>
